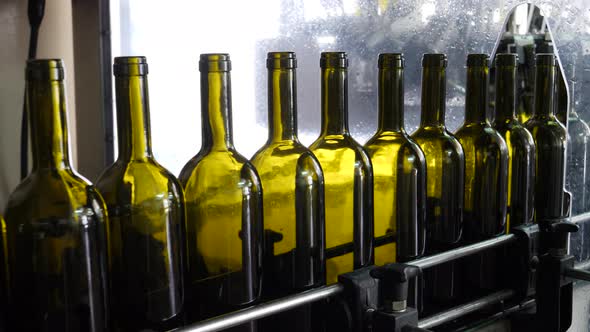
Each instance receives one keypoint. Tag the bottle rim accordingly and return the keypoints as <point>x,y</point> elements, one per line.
<point>334,60</point>
<point>391,61</point>
<point>545,59</point>
<point>281,60</point>
<point>506,59</point>
<point>214,62</point>
<point>478,60</point>
<point>130,66</point>
<point>434,60</point>
<point>45,69</point>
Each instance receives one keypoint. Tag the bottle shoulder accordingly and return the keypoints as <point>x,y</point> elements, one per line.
<point>216,168</point>
<point>54,193</point>
<point>278,151</point>
<point>138,181</point>
<point>546,128</point>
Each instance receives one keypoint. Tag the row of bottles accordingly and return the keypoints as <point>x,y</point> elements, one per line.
<point>144,250</point>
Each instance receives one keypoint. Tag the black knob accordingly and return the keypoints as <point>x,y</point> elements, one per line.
<point>393,284</point>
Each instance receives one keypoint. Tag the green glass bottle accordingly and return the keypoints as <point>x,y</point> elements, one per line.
<point>223,197</point>
<point>348,176</point>
<point>550,138</point>
<point>520,143</point>
<point>399,172</point>
<point>486,160</point>
<point>56,227</point>
<point>146,215</point>
<point>293,196</point>
<point>486,179</point>
<point>445,164</point>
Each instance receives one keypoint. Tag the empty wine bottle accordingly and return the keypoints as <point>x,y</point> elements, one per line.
<point>399,172</point>
<point>550,138</point>
<point>224,208</point>
<point>348,176</point>
<point>293,196</point>
<point>486,160</point>
<point>520,143</point>
<point>445,164</point>
<point>486,178</point>
<point>56,228</point>
<point>146,215</point>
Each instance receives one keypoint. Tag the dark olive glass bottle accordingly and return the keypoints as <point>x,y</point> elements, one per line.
<point>348,176</point>
<point>486,178</point>
<point>445,164</point>
<point>146,215</point>
<point>293,196</point>
<point>486,160</point>
<point>56,225</point>
<point>520,143</point>
<point>223,197</point>
<point>399,172</point>
<point>550,138</point>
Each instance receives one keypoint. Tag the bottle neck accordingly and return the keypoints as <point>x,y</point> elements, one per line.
<point>391,99</point>
<point>282,105</point>
<point>216,110</point>
<point>505,93</point>
<point>334,101</point>
<point>46,106</point>
<point>544,90</point>
<point>433,97</point>
<point>476,99</point>
<point>133,121</point>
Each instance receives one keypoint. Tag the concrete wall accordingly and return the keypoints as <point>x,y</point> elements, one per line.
<point>55,41</point>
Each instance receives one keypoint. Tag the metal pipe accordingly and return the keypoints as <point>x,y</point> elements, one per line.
<point>582,265</point>
<point>580,218</point>
<point>454,254</point>
<point>262,310</point>
<point>497,316</point>
<point>462,310</point>
<point>577,274</point>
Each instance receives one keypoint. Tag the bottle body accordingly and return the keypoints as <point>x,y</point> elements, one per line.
<point>445,164</point>
<point>348,177</point>
<point>56,227</point>
<point>223,198</point>
<point>146,216</point>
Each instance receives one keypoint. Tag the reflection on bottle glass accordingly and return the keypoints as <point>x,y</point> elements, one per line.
<point>56,231</point>
<point>146,215</point>
<point>224,208</point>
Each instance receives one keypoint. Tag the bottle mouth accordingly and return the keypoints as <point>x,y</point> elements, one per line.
<point>434,60</point>
<point>506,59</point>
<point>214,62</point>
<point>333,60</point>
<point>281,60</point>
<point>130,66</point>
<point>478,60</point>
<point>391,61</point>
<point>545,59</point>
<point>45,69</point>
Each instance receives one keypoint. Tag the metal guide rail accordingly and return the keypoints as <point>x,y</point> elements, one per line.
<point>272,307</point>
